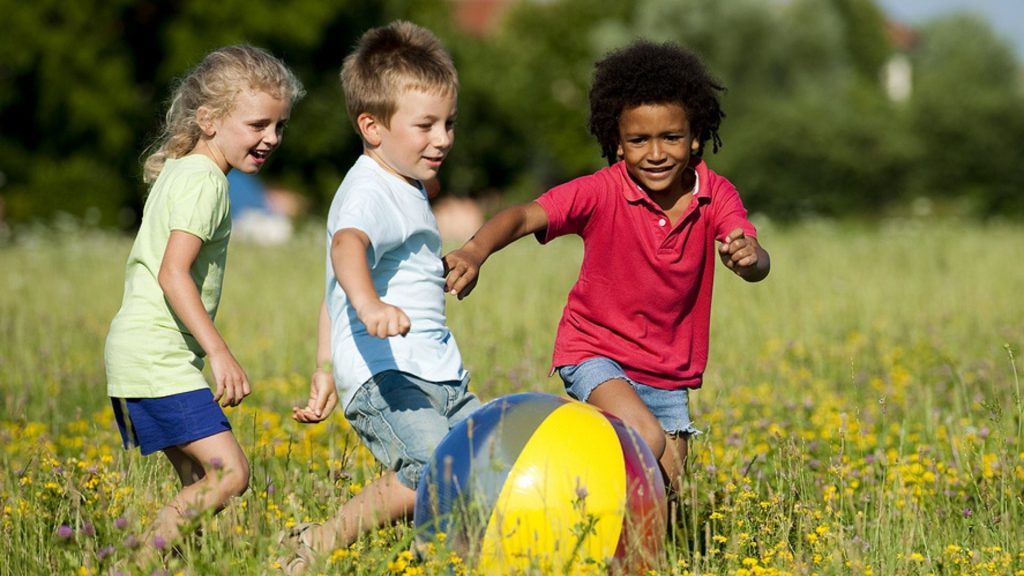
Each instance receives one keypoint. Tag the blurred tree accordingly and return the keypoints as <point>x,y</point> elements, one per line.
<point>68,106</point>
<point>809,129</point>
<point>83,88</point>
<point>864,36</point>
<point>535,74</point>
<point>966,112</point>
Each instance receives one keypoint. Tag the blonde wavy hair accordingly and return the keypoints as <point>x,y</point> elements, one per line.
<point>214,83</point>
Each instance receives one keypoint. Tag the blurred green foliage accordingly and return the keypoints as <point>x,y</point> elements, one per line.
<point>810,129</point>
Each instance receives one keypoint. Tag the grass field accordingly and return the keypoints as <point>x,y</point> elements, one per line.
<point>862,407</point>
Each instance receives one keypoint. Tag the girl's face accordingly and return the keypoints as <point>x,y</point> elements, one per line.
<point>417,139</point>
<point>656,143</point>
<point>245,137</point>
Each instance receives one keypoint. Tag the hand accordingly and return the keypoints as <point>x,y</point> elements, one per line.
<point>232,383</point>
<point>383,320</point>
<point>323,397</point>
<point>461,270</point>
<point>744,255</point>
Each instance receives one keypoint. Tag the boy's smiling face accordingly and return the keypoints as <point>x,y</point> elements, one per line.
<point>421,132</point>
<point>656,142</point>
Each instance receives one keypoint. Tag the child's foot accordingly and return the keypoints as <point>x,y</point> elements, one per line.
<point>302,554</point>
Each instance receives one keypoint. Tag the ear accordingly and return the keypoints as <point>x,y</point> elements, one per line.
<point>695,145</point>
<point>369,128</point>
<point>619,152</point>
<point>204,118</point>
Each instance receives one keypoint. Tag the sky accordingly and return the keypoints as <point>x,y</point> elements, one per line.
<point>1005,16</point>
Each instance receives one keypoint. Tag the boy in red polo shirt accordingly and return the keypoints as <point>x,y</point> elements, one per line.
<point>633,338</point>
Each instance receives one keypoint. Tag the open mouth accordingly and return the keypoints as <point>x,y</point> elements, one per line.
<point>660,171</point>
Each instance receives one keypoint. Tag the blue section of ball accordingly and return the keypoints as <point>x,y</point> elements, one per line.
<point>464,479</point>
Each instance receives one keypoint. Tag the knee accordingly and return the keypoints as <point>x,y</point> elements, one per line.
<point>653,436</point>
<point>233,479</point>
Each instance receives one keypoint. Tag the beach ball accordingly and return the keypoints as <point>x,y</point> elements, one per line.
<point>537,483</point>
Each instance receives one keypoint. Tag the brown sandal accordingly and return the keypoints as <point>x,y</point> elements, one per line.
<point>303,555</point>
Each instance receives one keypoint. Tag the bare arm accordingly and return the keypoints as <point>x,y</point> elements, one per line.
<point>462,266</point>
<point>348,257</point>
<point>744,255</point>
<point>175,280</point>
<point>323,396</point>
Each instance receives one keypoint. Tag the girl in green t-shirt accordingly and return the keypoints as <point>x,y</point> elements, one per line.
<point>228,112</point>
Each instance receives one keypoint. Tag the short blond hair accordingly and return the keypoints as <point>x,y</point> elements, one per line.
<point>389,61</point>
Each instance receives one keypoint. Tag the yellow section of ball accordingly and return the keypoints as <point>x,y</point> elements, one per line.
<point>564,499</point>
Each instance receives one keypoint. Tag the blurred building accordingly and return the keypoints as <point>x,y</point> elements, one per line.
<point>898,74</point>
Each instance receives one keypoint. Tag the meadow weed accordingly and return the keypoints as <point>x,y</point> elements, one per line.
<point>861,413</point>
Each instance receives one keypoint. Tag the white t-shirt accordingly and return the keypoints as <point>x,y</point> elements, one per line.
<point>405,264</point>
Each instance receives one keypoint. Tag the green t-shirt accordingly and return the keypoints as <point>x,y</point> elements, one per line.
<point>149,352</point>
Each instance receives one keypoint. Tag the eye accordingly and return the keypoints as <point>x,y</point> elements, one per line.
<point>449,125</point>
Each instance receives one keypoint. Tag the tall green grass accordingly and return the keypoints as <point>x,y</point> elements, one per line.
<point>861,409</point>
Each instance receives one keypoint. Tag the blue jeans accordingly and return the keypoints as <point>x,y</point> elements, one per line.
<point>670,407</point>
<point>402,418</point>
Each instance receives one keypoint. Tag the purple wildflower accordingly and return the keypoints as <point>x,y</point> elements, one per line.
<point>104,552</point>
<point>65,531</point>
<point>581,492</point>
<point>121,523</point>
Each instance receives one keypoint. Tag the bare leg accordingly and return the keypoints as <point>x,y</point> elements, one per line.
<point>211,470</point>
<point>673,461</point>
<point>384,501</point>
<point>618,397</point>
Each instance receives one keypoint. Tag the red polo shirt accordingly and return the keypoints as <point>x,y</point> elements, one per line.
<point>643,297</point>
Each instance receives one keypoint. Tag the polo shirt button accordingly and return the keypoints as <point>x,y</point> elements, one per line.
<point>661,222</point>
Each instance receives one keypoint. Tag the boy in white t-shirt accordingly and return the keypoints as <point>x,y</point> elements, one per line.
<point>382,334</point>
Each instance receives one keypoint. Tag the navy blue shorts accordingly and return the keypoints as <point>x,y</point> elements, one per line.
<point>155,424</point>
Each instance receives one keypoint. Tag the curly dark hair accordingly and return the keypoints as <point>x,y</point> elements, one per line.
<point>649,73</point>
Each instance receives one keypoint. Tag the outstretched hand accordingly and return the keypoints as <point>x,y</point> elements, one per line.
<point>323,397</point>
<point>461,271</point>
<point>743,255</point>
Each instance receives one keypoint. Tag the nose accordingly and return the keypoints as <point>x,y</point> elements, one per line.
<point>656,152</point>
<point>443,138</point>
<point>272,135</point>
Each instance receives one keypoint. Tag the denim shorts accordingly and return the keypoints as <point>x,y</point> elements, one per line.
<point>402,418</point>
<point>670,407</point>
<point>154,424</point>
